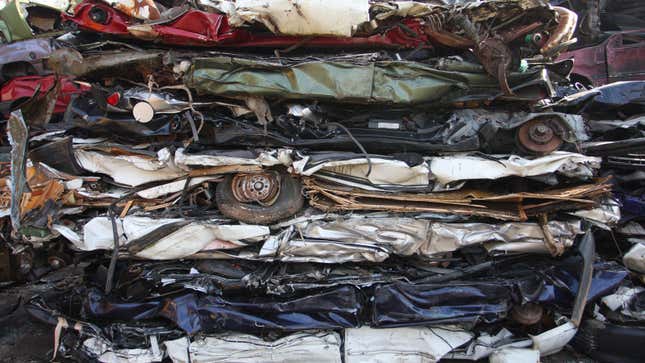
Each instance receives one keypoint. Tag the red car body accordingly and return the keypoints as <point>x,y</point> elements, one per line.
<point>621,57</point>
<point>21,88</point>
<point>199,28</point>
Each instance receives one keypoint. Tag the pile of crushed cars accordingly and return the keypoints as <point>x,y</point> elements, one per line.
<point>324,181</point>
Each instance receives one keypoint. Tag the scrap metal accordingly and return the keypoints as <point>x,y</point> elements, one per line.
<point>331,181</point>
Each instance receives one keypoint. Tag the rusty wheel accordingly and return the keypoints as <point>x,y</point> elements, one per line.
<point>540,136</point>
<point>262,188</point>
<point>260,198</point>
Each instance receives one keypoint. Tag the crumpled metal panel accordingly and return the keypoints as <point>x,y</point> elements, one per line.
<point>402,304</point>
<point>395,82</point>
<point>376,173</point>
<point>192,313</point>
<point>352,169</point>
<point>14,18</point>
<point>525,237</point>
<point>162,238</point>
<point>489,299</point>
<point>314,347</point>
<point>375,239</point>
<point>31,86</point>
<point>131,170</point>
<point>105,352</point>
<point>447,169</point>
<point>401,236</point>
<point>410,345</point>
<point>283,248</point>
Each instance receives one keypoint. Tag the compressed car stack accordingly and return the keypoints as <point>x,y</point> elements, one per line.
<point>354,181</point>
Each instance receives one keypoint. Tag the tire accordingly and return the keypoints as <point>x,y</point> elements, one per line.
<point>289,201</point>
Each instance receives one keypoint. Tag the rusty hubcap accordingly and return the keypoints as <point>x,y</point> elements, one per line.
<point>540,136</point>
<point>262,188</point>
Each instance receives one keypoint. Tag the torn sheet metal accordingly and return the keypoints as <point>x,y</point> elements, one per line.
<point>133,202</point>
<point>174,187</point>
<point>315,347</point>
<point>626,300</point>
<point>377,172</point>
<point>486,344</point>
<point>442,18</point>
<point>373,174</point>
<point>416,344</point>
<point>42,190</point>
<point>18,135</point>
<point>193,238</point>
<point>606,216</point>
<point>229,277</point>
<point>467,202</point>
<point>130,170</point>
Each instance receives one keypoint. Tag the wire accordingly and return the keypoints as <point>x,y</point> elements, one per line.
<point>369,161</point>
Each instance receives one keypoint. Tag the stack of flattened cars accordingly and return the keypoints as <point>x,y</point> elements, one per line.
<point>331,181</point>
